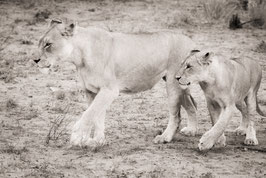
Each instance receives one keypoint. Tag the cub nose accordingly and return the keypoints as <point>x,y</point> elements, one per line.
<point>36,60</point>
<point>177,77</point>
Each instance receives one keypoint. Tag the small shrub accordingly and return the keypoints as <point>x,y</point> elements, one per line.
<point>244,4</point>
<point>215,10</point>
<point>257,13</point>
<point>235,22</point>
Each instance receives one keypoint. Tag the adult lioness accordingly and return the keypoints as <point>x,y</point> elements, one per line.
<point>226,84</point>
<point>109,63</point>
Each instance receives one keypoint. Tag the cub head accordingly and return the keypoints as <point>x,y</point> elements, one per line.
<point>55,43</point>
<point>194,68</point>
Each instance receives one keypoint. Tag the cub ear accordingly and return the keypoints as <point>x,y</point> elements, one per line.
<point>207,58</point>
<point>70,30</point>
<point>55,21</point>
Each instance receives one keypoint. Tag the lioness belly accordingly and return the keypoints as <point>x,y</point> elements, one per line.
<point>140,61</point>
<point>139,84</point>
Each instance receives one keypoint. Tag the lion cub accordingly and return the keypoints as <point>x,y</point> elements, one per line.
<point>226,84</point>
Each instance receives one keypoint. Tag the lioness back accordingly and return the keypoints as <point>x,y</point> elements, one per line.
<point>142,59</point>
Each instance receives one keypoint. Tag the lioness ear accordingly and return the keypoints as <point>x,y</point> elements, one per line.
<point>206,59</point>
<point>55,21</point>
<point>70,30</point>
<point>194,51</point>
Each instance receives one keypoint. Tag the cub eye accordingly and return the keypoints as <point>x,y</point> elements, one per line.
<point>188,66</point>
<point>47,45</point>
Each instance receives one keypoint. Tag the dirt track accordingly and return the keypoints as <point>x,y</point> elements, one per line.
<point>31,99</point>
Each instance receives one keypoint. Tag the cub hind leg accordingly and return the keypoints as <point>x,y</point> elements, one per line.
<point>251,138</point>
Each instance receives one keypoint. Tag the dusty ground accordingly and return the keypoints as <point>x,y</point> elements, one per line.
<point>33,103</point>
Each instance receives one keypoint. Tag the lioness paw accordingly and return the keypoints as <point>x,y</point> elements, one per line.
<point>80,134</point>
<point>162,139</point>
<point>251,141</point>
<point>240,131</point>
<point>188,131</point>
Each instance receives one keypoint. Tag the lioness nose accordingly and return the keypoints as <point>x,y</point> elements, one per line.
<point>36,60</point>
<point>178,77</point>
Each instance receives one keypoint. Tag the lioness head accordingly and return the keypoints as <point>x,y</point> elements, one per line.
<point>194,68</point>
<point>55,43</point>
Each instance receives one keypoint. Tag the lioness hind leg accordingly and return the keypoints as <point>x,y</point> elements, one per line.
<point>242,107</point>
<point>251,138</point>
<point>174,101</point>
<point>190,106</point>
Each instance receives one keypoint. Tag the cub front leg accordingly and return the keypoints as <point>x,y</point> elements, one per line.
<point>93,116</point>
<point>208,139</point>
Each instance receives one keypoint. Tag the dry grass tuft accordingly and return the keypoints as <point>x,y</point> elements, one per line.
<point>10,149</point>
<point>60,95</point>
<point>58,128</point>
<point>6,70</point>
<point>216,10</point>
<point>261,48</point>
<point>11,104</point>
<point>180,19</point>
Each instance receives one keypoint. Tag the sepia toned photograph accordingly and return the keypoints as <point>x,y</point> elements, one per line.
<point>132,89</point>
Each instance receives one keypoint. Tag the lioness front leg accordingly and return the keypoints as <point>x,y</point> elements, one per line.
<point>93,116</point>
<point>208,140</point>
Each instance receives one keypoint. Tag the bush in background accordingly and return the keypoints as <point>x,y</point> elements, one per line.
<point>257,12</point>
<point>216,10</point>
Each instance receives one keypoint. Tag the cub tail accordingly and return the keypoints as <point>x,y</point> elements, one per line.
<point>260,112</point>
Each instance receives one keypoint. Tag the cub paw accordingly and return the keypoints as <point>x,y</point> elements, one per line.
<point>221,142</point>
<point>162,139</point>
<point>188,131</point>
<point>251,141</point>
<point>206,142</point>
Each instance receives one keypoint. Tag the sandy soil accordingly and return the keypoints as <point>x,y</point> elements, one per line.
<point>33,143</point>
